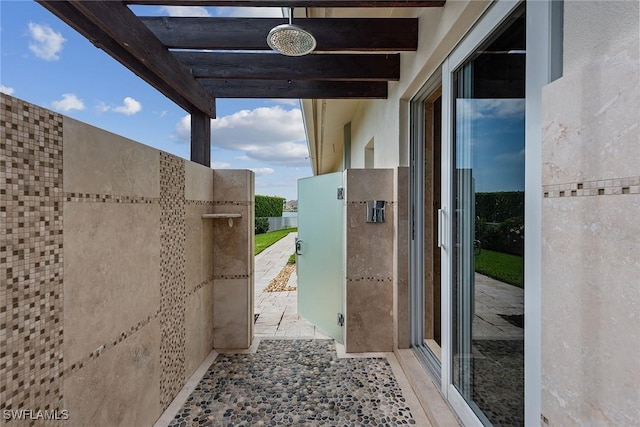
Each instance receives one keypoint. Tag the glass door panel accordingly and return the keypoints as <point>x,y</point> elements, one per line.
<point>487,267</point>
<point>320,252</point>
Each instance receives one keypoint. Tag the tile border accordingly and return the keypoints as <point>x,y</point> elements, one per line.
<point>108,198</point>
<point>601,187</point>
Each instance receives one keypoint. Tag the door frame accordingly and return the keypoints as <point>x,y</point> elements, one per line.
<point>416,221</point>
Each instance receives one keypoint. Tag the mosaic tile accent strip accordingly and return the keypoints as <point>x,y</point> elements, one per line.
<point>230,276</point>
<point>606,187</point>
<point>229,202</point>
<point>296,382</point>
<point>31,257</point>
<point>200,286</point>
<point>107,346</point>
<point>369,279</point>
<point>200,202</point>
<point>108,198</point>
<point>364,202</point>
<point>172,277</point>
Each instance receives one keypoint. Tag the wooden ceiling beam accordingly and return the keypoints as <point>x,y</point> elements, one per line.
<point>273,66</point>
<point>332,34</point>
<point>112,26</point>
<point>293,3</point>
<point>292,89</point>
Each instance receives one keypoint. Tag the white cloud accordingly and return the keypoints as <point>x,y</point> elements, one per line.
<point>6,89</point>
<point>262,171</point>
<point>517,157</point>
<point>220,165</point>
<point>253,12</point>
<point>507,108</point>
<point>129,107</point>
<point>270,134</point>
<point>292,102</point>
<point>184,11</point>
<point>102,107</point>
<point>45,42</point>
<point>68,102</point>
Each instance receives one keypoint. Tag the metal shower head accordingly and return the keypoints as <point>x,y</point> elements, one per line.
<point>291,40</point>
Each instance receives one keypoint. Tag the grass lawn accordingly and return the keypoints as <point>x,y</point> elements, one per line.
<point>264,240</point>
<point>503,267</point>
<point>292,259</point>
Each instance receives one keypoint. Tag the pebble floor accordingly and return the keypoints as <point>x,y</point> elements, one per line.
<point>295,382</point>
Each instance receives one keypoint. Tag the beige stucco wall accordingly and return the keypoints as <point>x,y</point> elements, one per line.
<point>595,28</point>
<point>440,29</point>
<point>590,229</point>
<point>111,270</point>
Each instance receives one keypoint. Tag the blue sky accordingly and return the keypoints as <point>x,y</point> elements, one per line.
<point>45,62</point>
<point>492,131</point>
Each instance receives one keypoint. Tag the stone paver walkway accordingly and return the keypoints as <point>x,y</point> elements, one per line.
<point>277,312</point>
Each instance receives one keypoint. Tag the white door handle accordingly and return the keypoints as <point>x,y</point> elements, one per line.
<point>440,228</point>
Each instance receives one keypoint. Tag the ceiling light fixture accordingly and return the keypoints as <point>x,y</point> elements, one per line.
<point>291,40</point>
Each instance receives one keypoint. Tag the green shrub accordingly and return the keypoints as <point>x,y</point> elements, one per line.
<point>266,206</point>
<point>262,225</point>
<point>500,221</point>
<point>499,206</point>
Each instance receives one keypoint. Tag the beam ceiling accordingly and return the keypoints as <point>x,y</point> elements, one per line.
<point>271,66</point>
<point>292,89</point>
<point>193,60</point>
<point>332,34</point>
<point>293,3</point>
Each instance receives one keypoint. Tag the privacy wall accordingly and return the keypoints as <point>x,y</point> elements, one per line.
<point>108,270</point>
<point>591,239</point>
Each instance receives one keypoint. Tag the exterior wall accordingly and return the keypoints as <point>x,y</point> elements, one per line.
<point>233,254</point>
<point>440,29</point>
<point>107,269</point>
<point>31,261</point>
<point>591,183</point>
<point>369,262</point>
<point>594,28</point>
<point>401,259</point>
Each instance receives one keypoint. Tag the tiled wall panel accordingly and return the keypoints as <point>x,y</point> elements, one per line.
<point>401,266</point>
<point>233,259</point>
<point>591,241</point>
<point>370,262</point>
<point>31,257</point>
<point>118,354</point>
<point>172,277</point>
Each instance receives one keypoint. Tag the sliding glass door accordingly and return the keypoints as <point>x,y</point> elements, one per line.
<point>486,257</point>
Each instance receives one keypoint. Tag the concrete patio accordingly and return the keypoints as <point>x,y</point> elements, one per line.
<point>277,312</point>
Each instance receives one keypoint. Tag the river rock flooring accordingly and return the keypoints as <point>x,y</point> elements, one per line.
<point>295,382</point>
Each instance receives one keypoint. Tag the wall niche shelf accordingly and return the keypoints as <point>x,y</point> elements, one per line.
<point>228,216</point>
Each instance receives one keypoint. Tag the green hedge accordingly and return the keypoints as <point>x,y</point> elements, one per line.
<point>500,221</point>
<point>499,206</point>
<point>262,225</point>
<point>266,206</point>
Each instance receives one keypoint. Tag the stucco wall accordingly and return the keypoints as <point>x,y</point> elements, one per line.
<point>595,28</point>
<point>591,227</point>
<point>108,271</point>
<point>440,29</point>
